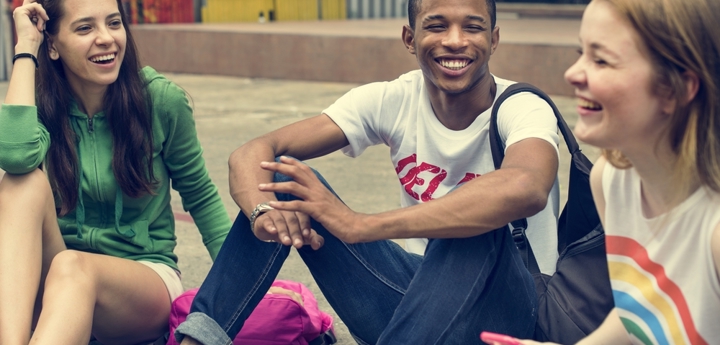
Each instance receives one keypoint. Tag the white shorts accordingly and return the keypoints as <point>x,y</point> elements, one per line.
<point>169,276</point>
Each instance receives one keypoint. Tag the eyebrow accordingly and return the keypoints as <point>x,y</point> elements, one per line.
<point>597,46</point>
<point>90,19</point>
<point>440,17</point>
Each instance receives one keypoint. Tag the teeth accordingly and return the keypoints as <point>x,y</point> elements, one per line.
<point>103,58</point>
<point>454,64</point>
<point>589,104</point>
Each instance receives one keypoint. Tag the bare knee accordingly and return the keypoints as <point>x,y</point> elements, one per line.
<point>31,188</point>
<point>69,268</point>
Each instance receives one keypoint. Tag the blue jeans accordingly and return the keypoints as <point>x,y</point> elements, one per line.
<point>384,294</point>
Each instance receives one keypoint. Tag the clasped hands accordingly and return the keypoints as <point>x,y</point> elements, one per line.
<point>289,222</point>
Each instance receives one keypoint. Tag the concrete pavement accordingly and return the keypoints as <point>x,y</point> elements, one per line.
<point>231,111</point>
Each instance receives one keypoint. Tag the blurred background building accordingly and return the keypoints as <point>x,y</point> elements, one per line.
<point>217,11</point>
<point>160,42</point>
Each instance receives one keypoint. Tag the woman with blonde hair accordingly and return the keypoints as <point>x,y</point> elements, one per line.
<point>647,83</point>
<point>86,243</point>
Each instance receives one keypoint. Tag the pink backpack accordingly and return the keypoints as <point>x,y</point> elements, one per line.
<point>277,320</point>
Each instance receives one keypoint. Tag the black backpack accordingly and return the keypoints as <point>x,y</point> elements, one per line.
<point>575,300</point>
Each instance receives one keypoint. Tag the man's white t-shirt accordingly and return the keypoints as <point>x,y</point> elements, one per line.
<point>431,160</point>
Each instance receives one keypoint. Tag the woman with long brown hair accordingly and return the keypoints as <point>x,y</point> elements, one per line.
<point>90,142</point>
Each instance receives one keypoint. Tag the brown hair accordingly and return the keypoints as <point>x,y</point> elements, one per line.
<point>127,106</point>
<point>682,36</point>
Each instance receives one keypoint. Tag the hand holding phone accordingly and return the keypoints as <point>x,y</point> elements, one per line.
<point>498,339</point>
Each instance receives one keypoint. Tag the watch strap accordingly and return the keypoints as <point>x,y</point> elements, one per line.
<point>259,209</point>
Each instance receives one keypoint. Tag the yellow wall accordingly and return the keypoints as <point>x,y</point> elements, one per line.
<point>334,9</point>
<point>218,11</point>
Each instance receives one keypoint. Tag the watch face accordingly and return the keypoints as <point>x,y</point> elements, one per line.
<point>260,209</point>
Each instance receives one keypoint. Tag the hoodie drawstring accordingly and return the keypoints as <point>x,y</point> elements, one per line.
<point>80,209</point>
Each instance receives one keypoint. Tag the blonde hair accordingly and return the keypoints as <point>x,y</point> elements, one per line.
<point>682,36</point>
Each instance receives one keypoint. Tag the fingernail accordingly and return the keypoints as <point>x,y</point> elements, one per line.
<point>262,185</point>
<point>286,238</point>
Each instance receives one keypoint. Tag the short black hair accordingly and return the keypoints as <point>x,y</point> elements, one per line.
<point>414,7</point>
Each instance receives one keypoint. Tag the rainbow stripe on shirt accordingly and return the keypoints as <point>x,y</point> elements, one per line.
<point>651,306</point>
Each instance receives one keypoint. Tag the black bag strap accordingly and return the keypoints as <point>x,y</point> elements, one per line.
<point>327,338</point>
<point>498,153</point>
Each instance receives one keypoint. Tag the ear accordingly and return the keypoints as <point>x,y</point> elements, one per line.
<point>495,39</point>
<point>692,85</point>
<point>408,37</point>
<point>52,51</point>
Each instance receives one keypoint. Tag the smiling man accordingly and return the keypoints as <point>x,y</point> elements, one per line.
<point>468,277</point>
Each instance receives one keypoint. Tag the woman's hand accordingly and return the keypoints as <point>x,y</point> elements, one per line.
<point>30,21</point>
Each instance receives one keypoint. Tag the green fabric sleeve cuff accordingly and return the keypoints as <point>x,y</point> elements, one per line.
<point>214,246</point>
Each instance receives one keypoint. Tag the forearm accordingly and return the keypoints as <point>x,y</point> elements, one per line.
<point>481,205</point>
<point>611,331</point>
<point>21,89</point>
<point>246,174</point>
<point>310,138</point>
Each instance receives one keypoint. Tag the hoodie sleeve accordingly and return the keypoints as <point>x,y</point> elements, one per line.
<point>189,175</point>
<point>24,141</point>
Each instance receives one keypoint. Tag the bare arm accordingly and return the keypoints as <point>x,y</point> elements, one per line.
<point>310,138</point>
<point>596,187</point>
<point>519,189</point>
<point>611,331</point>
<point>21,89</point>
<point>715,245</point>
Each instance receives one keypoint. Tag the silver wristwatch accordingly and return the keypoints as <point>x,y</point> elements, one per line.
<point>259,209</point>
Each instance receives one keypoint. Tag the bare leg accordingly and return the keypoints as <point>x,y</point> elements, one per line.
<point>189,341</point>
<point>29,239</point>
<point>119,301</point>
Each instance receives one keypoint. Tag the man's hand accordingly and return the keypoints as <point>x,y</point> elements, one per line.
<point>288,228</point>
<point>317,201</point>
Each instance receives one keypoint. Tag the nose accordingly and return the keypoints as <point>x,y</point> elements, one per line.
<point>454,38</point>
<point>575,75</point>
<point>103,37</point>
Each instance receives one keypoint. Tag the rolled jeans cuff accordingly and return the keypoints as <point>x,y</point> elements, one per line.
<point>203,329</point>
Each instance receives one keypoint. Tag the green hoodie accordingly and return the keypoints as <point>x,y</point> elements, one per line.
<point>110,222</point>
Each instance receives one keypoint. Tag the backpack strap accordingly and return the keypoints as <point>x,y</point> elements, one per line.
<point>327,338</point>
<point>497,147</point>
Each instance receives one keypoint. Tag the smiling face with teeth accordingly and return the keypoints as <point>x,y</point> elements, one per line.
<point>453,41</point>
<point>90,43</point>
<point>618,103</point>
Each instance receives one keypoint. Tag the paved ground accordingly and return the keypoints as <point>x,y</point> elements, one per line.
<point>231,111</point>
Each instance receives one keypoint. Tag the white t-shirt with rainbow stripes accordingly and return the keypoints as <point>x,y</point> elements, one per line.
<point>662,273</point>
